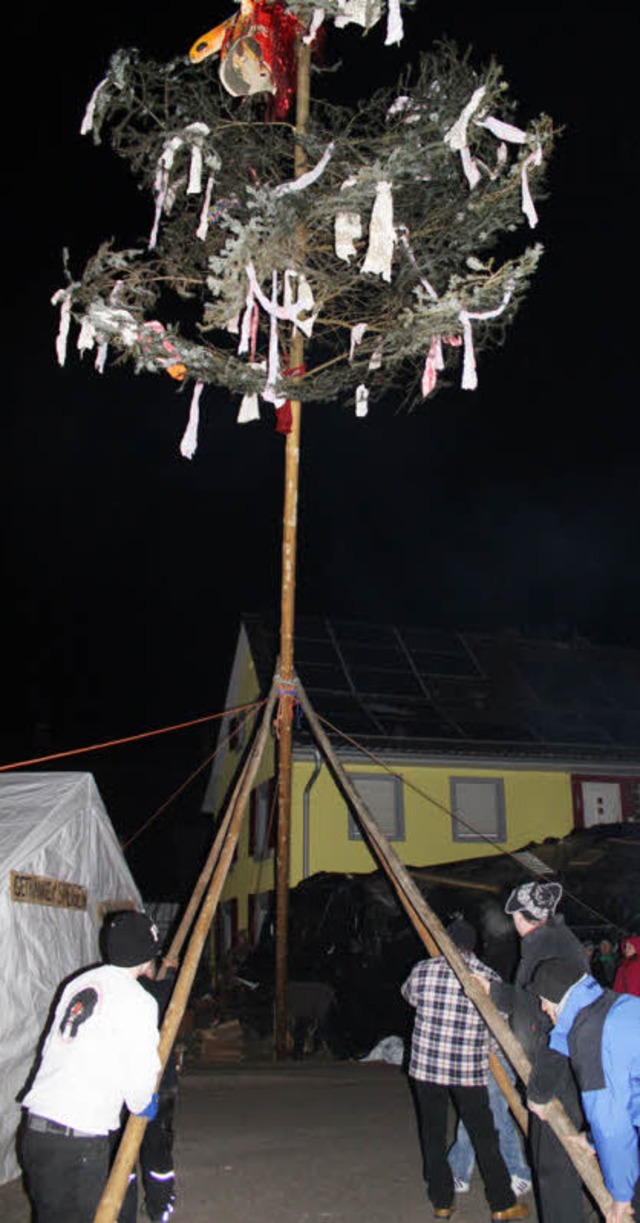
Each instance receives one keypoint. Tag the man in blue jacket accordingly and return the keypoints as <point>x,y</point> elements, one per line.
<point>599,1031</point>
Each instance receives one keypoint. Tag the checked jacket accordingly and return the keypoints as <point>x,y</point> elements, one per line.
<point>450,1043</point>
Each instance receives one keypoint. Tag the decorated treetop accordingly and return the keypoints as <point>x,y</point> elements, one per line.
<point>394,247</point>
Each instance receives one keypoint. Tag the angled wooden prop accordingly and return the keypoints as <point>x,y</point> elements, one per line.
<point>435,938</point>
<point>116,1187</point>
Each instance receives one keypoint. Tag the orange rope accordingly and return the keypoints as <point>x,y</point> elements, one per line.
<point>184,784</point>
<point>145,734</point>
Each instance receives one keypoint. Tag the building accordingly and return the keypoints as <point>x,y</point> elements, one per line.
<point>462,745</point>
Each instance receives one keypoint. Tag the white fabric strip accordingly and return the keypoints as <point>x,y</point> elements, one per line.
<point>395,28</point>
<point>101,357</point>
<point>381,234</point>
<point>347,231</point>
<point>249,409</point>
<point>528,206</point>
<point>305,180</point>
<point>161,184</point>
<point>362,400</point>
<point>433,364</point>
<point>357,333</point>
<point>469,373</point>
<point>317,19</point>
<point>189,443</point>
<point>503,131</point>
<point>62,298</point>
<point>203,225</point>
<point>89,114</point>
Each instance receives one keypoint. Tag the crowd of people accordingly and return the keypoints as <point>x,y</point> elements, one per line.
<point>574,1008</point>
<point>582,1039</point>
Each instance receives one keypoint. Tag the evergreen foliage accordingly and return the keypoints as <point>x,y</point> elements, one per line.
<point>456,248</point>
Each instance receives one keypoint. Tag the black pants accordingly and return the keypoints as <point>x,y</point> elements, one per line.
<point>432,1102</point>
<point>558,1187</point>
<point>155,1166</point>
<point>65,1177</point>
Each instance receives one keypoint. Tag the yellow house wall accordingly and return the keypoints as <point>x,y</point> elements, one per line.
<point>537,805</point>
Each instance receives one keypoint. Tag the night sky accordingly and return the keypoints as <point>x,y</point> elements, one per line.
<point>126,568</point>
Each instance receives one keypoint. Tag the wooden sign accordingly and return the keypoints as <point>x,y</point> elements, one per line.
<point>38,890</point>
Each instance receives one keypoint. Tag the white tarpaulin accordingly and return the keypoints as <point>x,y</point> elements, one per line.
<point>61,870</point>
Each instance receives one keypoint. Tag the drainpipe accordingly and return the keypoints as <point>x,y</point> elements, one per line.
<point>306,801</point>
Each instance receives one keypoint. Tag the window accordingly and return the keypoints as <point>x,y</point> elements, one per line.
<point>260,912</point>
<point>479,803</point>
<point>383,797</point>
<point>262,819</point>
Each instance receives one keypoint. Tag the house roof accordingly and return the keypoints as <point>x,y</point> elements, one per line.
<point>417,690</point>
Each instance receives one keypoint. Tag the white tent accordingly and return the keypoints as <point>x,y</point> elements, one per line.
<point>61,870</point>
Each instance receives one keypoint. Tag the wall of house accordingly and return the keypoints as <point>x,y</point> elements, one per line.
<point>537,804</point>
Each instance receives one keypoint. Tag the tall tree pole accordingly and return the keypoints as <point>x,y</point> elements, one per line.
<point>287,604</point>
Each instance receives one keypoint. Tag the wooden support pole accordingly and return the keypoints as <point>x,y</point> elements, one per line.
<point>435,938</point>
<point>116,1187</point>
<point>287,607</point>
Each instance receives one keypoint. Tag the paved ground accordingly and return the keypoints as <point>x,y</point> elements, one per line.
<point>313,1142</point>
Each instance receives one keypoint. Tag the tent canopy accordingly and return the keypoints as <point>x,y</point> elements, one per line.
<point>61,870</point>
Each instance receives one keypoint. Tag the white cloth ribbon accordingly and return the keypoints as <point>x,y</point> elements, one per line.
<point>456,137</point>
<point>502,130</point>
<point>395,29</point>
<point>189,443</point>
<point>433,364</point>
<point>381,234</point>
<point>195,133</point>
<point>528,206</point>
<point>469,373</point>
<point>359,12</point>
<point>362,400</point>
<point>249,409</point>
<point>317,18</point>
<point>87,337</point>
<point>299,302</point>
<point>404,239</point>
<point>89,114</point>
<point>203,224</point>
<point>305,180</point>
<point>357,333</point>
<point>62,298</point>
<point>161,183</point>
<point>101,357</point>
<point>347,231</point>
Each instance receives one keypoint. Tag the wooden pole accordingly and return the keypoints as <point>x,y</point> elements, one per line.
<point>435,938</point>
<point>116,1187</point>
<point>287,610</point>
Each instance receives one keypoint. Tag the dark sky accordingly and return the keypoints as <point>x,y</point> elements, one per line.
<point>126,567</point>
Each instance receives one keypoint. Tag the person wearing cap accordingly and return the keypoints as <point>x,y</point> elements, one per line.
<point>598,1031</point>
<point>543,935</point>
<point>100,1053</point>
<point>450,1059</point>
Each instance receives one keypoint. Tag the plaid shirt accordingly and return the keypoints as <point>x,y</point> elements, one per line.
<point>450,1043</point>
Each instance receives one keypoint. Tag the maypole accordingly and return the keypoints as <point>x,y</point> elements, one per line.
<point>287,607</point>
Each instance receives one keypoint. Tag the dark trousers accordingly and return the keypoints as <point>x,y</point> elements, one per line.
<point>558,1187</point>
<point>432,1103</point>
<point>65,1177</point>
<point>155,1171</point>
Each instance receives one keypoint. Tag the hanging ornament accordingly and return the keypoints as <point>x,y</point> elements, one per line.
<point>257,50</point>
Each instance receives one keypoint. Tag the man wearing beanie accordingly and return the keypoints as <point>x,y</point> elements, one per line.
<point>100,1053</point>
<point>598,1030</point>
<point>450,1058</point>
<point>544,936</point>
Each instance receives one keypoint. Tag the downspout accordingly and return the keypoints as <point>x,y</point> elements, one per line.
<point>306,802</point>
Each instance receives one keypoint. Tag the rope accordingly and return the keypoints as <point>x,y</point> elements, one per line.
<point>145,734</point>
<point>207,760</point>
<point>505,853</point>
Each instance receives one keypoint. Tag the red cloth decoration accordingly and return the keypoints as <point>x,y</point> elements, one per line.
<point>258,55</point>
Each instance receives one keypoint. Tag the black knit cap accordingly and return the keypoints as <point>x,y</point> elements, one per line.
<point>462,933</point>
<point>130,938</point>
<point>552,979</point>
<point>538,901</point>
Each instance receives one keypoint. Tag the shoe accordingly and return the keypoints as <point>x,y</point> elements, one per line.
<point>517,1211</point>
<point>520,1185</point>
<point>463,1186</point>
